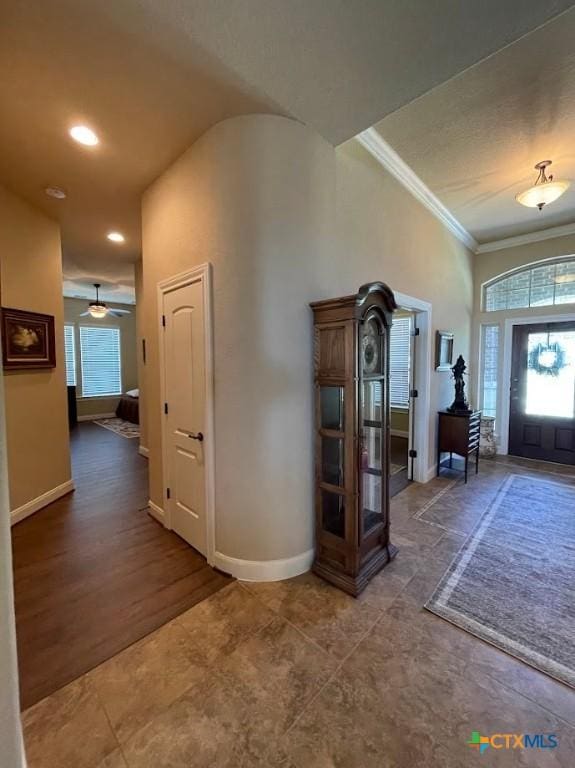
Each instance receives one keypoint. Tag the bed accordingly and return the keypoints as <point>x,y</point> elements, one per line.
<point>129,407</point>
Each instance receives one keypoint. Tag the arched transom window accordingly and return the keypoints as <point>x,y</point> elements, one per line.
<point>538,286</point>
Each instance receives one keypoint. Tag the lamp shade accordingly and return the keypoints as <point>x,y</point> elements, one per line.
<point>542,194</point>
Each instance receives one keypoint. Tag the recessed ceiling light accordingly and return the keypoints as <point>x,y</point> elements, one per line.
<point>56,192</point>
<point>84,135</point>
<point>116,237</point>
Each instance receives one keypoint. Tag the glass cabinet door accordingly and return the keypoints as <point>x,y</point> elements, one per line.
<point>372,464</point>
<point>332,448</point>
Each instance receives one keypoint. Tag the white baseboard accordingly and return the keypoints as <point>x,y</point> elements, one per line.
<point>264,570</point>
<point>431,473</point>
<point>143,451</point>
<point>20,513</point>
<point>94,416</point>
<point>400,433</point>
<point>157,512</point>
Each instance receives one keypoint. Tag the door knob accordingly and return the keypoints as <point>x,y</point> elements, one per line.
<point>199,436</point>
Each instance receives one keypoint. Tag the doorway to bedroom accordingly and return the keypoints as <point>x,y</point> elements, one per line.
<point>403,396</point>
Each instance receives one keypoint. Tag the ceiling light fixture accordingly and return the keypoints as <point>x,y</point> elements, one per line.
<point>99,309</point>
<point>544,191</point>
<point>84,135</point>
<point>116,237</point>
<point>55,192</point>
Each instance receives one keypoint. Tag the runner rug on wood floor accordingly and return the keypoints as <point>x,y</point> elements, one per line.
<point>513,582</point>
<point>120,427</point>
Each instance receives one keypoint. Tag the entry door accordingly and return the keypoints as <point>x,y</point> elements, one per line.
<point>184,342</point>
<point>542,412</point>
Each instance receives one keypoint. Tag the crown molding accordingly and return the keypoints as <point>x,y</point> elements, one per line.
<point>530,237</point>
<point>372,141</point>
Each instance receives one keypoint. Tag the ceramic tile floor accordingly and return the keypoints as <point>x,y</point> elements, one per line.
<point>299,675</point>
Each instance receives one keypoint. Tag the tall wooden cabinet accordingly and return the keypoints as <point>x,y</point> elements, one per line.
<point>352,432</point>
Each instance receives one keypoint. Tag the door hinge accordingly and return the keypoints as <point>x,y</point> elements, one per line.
<point>412,454</point>
<point>413,393</point>
<point>165,408</point>
<point>164,320</point>
<point>168,493</point>
<point>415,332</point>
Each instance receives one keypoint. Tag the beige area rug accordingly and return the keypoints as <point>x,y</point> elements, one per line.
<point>513,582</point>
<point>395,468</point>
<point>120,427</point>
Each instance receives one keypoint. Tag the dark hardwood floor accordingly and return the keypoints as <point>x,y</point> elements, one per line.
<point>93,572</point>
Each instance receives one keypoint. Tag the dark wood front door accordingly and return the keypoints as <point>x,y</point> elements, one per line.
<point>542,408</point>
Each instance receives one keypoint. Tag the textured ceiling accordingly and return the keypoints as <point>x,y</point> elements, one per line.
<point>150,77</point>
<point>475,139</point>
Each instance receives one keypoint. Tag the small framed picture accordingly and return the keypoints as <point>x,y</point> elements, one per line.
<point>27,340</point>
<point>443,350</point>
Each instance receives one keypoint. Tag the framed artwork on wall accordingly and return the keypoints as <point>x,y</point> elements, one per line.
<point>28,340</point>
<point>443,350</point>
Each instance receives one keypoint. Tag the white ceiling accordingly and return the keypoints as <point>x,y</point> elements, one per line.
<point>150,77</point>
<point>475,139</point>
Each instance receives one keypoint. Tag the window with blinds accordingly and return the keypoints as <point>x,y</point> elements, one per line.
<point>399,362</point>
<point>70,354</point>
<point>100,361</point>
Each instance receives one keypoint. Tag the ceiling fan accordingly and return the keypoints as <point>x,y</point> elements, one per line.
<point>98,309</point>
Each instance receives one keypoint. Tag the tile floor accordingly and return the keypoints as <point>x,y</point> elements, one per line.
<point>299,675</point>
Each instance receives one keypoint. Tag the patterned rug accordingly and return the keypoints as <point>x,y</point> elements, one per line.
<point>120,427</point>
<point>513,582</point>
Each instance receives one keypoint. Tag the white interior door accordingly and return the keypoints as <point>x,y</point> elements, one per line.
<point>185,388</point>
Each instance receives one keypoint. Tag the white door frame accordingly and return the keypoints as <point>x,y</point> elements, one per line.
<point>203,274</point>
<point>506,375</point>
<point>422,472</point>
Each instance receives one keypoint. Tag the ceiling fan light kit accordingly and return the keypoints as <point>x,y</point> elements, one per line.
<point>98,309</point>
<point>544,191</point>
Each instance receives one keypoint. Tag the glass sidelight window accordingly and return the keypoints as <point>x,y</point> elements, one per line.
<point>490,369</point>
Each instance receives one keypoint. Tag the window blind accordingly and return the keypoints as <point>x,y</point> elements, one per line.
<point>399,361</point>
<point>100,361</point>
<point>70,354</point>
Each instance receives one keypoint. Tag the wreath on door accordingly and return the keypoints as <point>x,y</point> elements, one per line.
<point>547,359</point>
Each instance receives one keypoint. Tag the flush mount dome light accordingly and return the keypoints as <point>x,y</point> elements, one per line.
<point>116,237</point>
<point>84,135</point>
<point>544,191</point>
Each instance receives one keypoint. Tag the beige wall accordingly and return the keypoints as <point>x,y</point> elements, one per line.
<point>254,197</point>
<point>36,404</point>
<point>10,730</point>
<point>400,419</point>
<point>73,309</point>
<point>140,337</point>
<point>284,219</point>
<point>385,234</point>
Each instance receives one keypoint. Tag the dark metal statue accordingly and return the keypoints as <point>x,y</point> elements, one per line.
<point>460,404</point>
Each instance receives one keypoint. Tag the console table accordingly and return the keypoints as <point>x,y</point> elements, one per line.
<point>458,433</point>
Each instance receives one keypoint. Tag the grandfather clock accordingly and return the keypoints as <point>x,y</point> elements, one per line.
<point>351,369</point>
